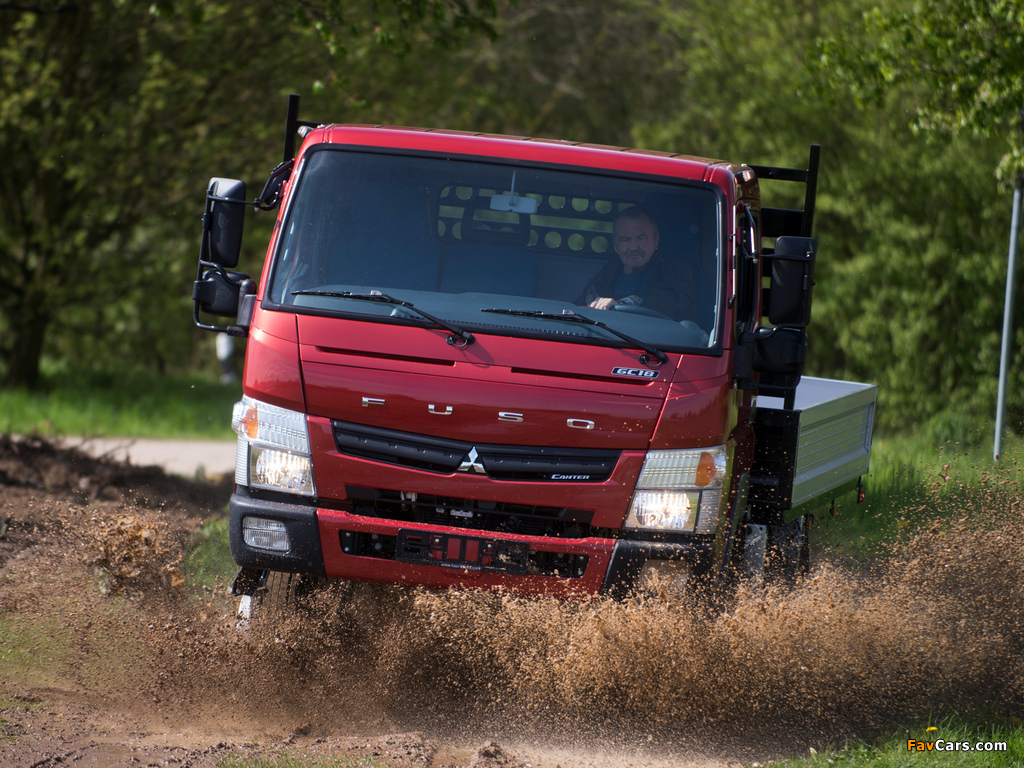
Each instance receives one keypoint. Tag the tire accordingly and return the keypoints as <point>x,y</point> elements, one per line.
<point>789,551</point>
<point>283,596</point>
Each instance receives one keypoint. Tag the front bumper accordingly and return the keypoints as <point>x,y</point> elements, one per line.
<point>340,545</point>
<point>304,554</point>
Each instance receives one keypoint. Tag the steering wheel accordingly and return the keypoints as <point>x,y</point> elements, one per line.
<point>636,309</point>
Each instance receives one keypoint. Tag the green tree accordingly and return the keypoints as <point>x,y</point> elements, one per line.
<point>908,288</point>
<point>566,69</point>
<point>965,58</point>
<point>907,293</point>
<point>108,111</point>
<point>951,74</point>
<point>102,101</point>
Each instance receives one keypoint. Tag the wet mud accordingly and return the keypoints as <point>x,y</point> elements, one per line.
<point>101,631</point>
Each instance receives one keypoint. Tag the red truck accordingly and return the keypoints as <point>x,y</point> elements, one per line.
<point>481,361</point>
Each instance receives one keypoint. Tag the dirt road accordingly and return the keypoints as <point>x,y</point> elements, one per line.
<point>107,656</point>
<point>196,459</point>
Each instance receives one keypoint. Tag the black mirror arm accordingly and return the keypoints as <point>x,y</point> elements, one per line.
<point>230,330</point>
<point>275,181</point>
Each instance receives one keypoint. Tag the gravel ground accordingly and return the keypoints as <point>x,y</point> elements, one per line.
<point>109,658</point>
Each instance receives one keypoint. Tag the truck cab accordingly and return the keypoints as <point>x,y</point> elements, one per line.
<point>479,361</point>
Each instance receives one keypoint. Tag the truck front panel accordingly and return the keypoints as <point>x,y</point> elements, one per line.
<point>455,377</point>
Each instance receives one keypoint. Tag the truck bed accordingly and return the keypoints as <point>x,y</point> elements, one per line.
<point>829,430</point>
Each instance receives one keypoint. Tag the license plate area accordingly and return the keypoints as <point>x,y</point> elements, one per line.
<point>469,552</point>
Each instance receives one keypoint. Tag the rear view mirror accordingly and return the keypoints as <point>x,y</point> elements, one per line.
<point>777,354</point>
<point>223,222</point>
<point>513,203</point>
<point>792,265</point>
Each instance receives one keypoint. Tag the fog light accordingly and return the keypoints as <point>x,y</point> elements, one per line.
<point>664,575</point>
<point>261,533</point>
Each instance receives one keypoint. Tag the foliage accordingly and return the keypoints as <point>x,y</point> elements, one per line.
<point>109,110</point>
<point>966,57</point>
<point>106,107</point>
<point>565,69</point>
<point>398,26</point>
<point>911,226</point>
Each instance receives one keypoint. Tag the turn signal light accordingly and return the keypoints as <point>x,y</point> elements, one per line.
<point>246,420</point>
<point>706,470</point>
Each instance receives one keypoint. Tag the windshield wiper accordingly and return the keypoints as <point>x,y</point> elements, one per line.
<point>457,337</point>
<point>573,317</point>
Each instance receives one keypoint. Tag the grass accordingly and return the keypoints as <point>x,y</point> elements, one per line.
<point>208,561</point>
<point>913,481</point>
<point>130,404</point>
<point>908,747</point>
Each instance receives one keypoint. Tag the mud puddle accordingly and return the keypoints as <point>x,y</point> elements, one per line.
<point>110,657</point>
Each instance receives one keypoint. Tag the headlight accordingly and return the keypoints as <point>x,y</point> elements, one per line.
<point>273,448</point>
<point>679,491</point>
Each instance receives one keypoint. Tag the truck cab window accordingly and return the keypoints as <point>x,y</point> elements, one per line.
<point>459,237</point>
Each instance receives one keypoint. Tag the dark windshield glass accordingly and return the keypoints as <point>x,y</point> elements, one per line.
<point>458,237</point>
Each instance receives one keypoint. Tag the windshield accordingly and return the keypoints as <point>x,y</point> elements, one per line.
<point>458,240</point>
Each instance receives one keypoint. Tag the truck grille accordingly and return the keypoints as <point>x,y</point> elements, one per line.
<point>499,462</point>
<point>469,514</point>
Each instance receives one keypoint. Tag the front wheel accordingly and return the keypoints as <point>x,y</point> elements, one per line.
<point>280,596</point>
<point>777,553</point>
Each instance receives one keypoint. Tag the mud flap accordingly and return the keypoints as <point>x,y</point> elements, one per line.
<point>754,549</point>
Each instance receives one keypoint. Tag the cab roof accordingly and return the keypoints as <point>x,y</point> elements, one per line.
<point>523,148</point>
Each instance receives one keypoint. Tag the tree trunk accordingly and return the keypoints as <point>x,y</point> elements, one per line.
<point>28,330</point>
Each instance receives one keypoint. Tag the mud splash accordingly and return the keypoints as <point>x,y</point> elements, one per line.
<point>936,627</point>
<point>92,601</point>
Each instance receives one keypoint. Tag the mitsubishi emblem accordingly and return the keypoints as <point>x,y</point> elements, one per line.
<point>472,463</point>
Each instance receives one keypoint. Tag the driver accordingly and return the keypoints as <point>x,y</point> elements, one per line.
<point>643,276</point>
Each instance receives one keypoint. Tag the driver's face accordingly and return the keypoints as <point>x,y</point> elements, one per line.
<point>635,241</point>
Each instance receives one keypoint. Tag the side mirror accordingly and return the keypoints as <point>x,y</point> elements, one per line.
<point>777,354</point>
<point>792,278</point>
<point>223,223</point>
<point>781,350</point>
<point>217,293</point>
